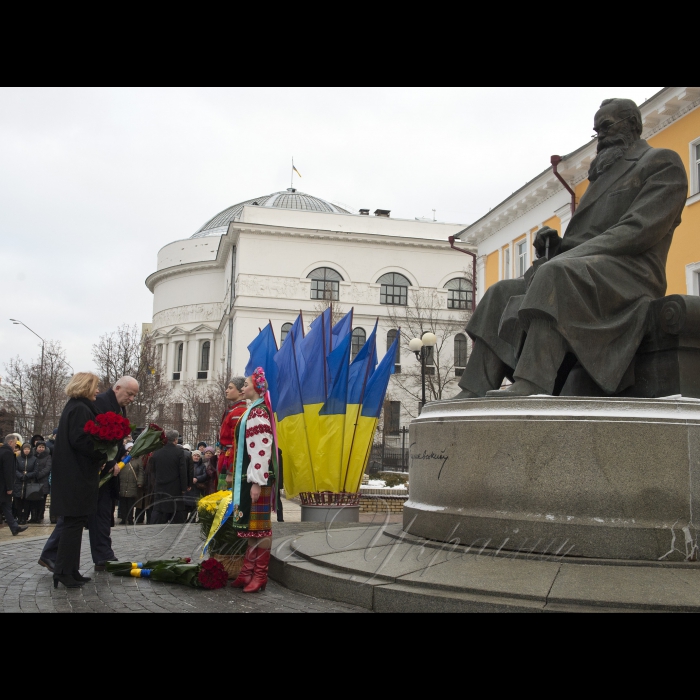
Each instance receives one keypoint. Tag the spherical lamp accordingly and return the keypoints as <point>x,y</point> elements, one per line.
<point>430,340</point>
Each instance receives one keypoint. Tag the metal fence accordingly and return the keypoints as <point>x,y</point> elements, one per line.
<point>390,455</point>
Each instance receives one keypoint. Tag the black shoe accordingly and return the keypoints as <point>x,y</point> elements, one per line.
<point>102,565</point>
<point>81,579</point>
<point>48,564</point>
<point>67,581</point>
<point>19,531</point>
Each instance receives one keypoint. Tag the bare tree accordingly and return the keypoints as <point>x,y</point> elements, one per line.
<point>126,352</point>
<point>337,312</point>
<point>35,390</point>
<point>426,313</point>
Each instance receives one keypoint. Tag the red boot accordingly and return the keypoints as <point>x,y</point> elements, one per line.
<point>246,575</point>
<point>259,582</point>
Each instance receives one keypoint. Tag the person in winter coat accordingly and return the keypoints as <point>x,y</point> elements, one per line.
<point>8,469</point>
<point>43,472</point>
<point>198,487</point>
<point>25,474</point>
<point>75,479</point>
<point>169,468</point>
<point>212,467</point>
<point>131,480</point>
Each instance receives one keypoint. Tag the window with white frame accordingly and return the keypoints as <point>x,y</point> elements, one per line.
<point>506,264</point>
<point>522,258</point>
<point>695,167</point>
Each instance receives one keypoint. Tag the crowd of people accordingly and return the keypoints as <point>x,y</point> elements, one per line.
<point>27,479</point>
<point>161,488</point>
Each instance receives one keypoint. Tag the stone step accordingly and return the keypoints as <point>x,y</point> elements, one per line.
<point>384,570</point>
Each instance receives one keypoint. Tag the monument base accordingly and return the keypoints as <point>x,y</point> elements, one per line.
<point>387,570</point>
<point>614,479</point>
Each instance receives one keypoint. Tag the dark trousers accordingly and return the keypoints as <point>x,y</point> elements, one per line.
<point>126,510</point>
<point>69,545</point>
<point>6,508</point>
<point>50,551</point>
<point>38,509</point>
<point>21,509</point>
<point>100,526</point>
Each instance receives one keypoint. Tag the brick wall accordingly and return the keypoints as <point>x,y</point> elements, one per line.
<point>383,501</point>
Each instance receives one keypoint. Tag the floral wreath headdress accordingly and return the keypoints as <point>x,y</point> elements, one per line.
<point>259,381</point>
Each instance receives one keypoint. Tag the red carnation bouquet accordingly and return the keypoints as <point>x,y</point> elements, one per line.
<point>108,431</point>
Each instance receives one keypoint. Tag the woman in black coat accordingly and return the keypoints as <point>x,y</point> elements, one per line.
<point>26,472</point>
<point>75,479</point>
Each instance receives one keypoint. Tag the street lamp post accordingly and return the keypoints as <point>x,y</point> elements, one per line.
<point>43,349</point>
<point>422,348</point>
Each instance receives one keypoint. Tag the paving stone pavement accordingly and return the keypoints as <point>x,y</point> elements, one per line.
<point>25,587</point>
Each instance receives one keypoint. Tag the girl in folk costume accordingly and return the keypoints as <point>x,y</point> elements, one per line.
<point>254,480</point>
<point>227,436</point>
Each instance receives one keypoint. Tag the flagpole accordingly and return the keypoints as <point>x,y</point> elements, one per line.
<point>292,172</point>
<point>303,413</point>
<point>359,412</point>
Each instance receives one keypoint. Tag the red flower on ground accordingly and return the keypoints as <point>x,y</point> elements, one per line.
<point>213,576</point>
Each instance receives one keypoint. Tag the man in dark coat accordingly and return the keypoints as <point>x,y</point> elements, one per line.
<point>590,295</point>
<point>169,469</point>
<point>8,469</point>
<point>114,400</point>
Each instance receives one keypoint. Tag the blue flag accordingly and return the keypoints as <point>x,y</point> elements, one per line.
<point>262,354</point>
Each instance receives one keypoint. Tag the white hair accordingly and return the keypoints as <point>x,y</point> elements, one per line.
<point>125,381</point>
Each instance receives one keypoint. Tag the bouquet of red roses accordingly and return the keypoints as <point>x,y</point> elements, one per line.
<point>210,575</point>
<point>108,431</point>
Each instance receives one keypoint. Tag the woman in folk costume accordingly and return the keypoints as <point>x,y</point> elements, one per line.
<point>254,480</point>
<point>227,436</point>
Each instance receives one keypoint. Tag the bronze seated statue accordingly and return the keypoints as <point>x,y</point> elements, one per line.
<point>590,317</point>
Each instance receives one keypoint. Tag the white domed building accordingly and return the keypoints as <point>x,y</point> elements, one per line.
<point>267,258</point>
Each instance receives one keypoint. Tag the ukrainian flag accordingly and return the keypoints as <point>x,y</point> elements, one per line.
<point>291,424</point>
<point>262,354</point>
<point>315,387</point>
<point>371,409</point>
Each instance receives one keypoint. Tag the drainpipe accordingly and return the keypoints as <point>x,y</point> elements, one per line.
<point>473,255</point>
<point>555,167</point>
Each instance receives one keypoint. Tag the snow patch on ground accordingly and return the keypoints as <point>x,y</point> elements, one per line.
<point>425,508</point>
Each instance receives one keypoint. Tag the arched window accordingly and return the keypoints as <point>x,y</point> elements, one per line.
<point>394,289</point>
<point>285,331</point>
<point>461,354</point>
<point>359,338</point>
<point>390,338</point>
<point>325,284</point>
<point>460,295</point>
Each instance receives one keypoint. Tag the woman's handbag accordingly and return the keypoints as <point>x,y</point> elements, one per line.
<point>34,492</point>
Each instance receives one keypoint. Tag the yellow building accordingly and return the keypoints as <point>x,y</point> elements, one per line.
<point>504,237</point>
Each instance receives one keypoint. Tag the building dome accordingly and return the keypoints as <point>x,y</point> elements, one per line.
<point>290,199</point>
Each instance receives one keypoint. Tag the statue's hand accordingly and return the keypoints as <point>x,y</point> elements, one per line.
<point>547,234</point>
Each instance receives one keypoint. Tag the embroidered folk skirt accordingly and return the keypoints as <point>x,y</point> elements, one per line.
<point>260,522</point>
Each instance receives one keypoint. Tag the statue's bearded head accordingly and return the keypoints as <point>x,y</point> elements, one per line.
<point>618,124</point>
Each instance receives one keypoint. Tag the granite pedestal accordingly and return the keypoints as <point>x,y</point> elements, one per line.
<point>611,479</point>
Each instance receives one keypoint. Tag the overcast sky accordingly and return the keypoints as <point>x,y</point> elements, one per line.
<point>94,181</point>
